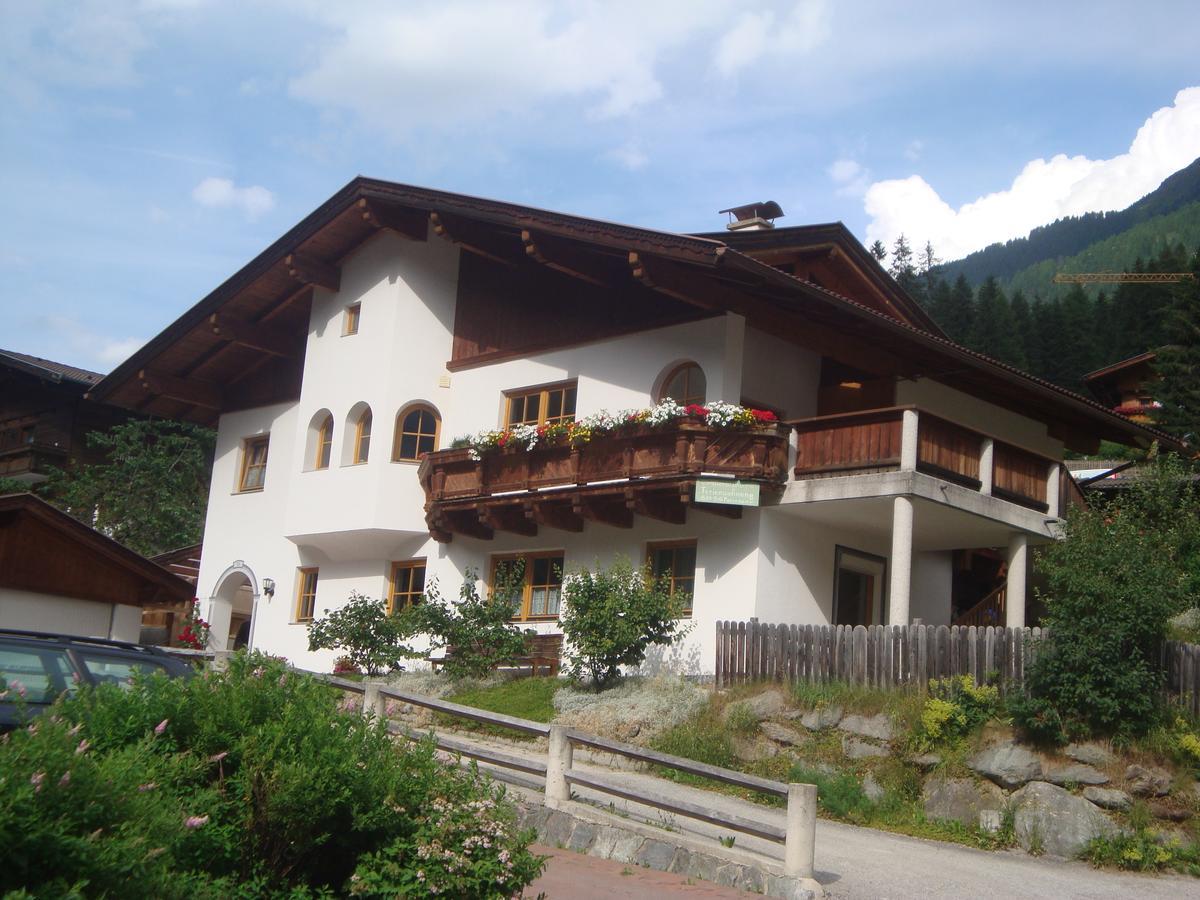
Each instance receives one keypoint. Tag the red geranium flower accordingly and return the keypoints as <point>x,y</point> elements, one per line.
<point>764,415</point>
<point>695,409</point>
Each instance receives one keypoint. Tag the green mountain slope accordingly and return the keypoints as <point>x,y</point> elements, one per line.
<point>1118,253</point>
<point>1075,235</point>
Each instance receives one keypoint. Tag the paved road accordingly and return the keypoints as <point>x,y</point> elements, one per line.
<point>865,864</point>
<point>573,876</point>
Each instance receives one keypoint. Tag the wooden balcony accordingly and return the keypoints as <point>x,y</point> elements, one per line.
<point>643,470</point>
<point>874,441</point>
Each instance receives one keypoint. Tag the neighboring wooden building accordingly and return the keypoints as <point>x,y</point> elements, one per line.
<point>1124,387</point>
<point>58,575</point>
<point>45,416</point>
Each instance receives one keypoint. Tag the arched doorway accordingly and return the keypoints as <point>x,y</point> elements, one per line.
<point>232,607</point>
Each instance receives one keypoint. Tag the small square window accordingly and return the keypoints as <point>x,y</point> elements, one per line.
<point>675,565</point>
<point>254,464</point>
<point>408,584</point>
<point>350,319</point>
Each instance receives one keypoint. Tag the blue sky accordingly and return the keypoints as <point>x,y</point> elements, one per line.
<point>150,148</point>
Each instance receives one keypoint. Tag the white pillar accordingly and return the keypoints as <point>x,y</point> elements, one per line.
<point>1014,593</point>
<point>220,660</point>
<point>558,763</point>
<point>901,561</point>
<point>799,846</point>
<point>374,704</point>
<point>986,471</point>
<point>1053,488</point>
<point>908,441</point>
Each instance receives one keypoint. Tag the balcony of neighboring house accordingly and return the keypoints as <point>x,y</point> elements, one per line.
<point>30,448</point>
<point>638,470</point>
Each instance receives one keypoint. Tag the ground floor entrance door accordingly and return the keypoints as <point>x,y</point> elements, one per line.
<point>858,597</point>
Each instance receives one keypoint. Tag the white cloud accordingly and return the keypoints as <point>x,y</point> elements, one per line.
<point>761,34</point>
<point>849,176</point>
<point>77,343</point>
<point>914,150</point>
<point>629,155</point>
<point>1045,190</point>
<point>222,193</point>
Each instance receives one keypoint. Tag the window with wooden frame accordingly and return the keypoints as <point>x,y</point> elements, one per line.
<point>362,437</point>
<point>350,317</point>
<point>685,384</point>
<point>417,431</point>
<point>254,464</point>
<point>306,593</point>
<point>407,584</point>
<point>541,406</point>
<point>530,582</point>
<point>674,564</point>
<point>324,444</point>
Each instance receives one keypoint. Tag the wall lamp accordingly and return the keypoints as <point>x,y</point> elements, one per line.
<point>268,587</point>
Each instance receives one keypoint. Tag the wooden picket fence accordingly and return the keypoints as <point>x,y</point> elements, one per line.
<point>1181,666</point>
<point>877,655</point>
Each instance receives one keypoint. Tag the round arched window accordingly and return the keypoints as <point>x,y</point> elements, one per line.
<point>362,437</point>
<point>685,385</point>
<point>324,442</point>
<point>416,433</point>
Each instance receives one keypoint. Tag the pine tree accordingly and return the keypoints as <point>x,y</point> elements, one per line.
<point>994,331</point>
<point>878,251</point>
<point>1077,347</point>
<point>927,268</point>
<point>1049,328</point>
<point>960,311</point>
<point>1022,317</point>
<point>903,269</point>
<point>1178,363</point>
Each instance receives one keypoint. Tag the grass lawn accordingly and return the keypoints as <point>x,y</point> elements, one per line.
<point>525,698</point>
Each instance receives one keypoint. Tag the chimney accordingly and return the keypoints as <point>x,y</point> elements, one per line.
<point>759,216</point>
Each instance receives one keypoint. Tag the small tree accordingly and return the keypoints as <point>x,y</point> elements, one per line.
<point>612,617</point>
<point>478,630</point>
<point>1125,568</point>
<point>373,640</point>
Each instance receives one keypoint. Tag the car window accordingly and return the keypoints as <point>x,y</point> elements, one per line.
<point>42,673</point>
<point>106,667</point>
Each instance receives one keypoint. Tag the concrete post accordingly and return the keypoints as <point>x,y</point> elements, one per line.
<point>558,763</point>
<point>220,660</point>
<point>986,466</point>
<point>799,846</point>
<point>901,561</point>
<point>1053,488</point>
<point>908,441</point>
<point>1014,594</point>
<point>374,704</point>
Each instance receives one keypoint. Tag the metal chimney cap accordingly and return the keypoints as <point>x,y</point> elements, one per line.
<point>764,209</point>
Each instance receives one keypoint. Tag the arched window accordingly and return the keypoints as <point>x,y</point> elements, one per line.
<point>684,384</point>
<point>324,443</point>
<point>362,437</point>
<point>417,431</point>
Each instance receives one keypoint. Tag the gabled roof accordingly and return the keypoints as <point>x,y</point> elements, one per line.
<point>44,550</point>
<point>48,369</point>
<point>251,330</point>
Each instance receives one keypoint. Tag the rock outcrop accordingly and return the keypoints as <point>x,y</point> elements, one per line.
<point>1055,821</point>
<point>1007,764</point>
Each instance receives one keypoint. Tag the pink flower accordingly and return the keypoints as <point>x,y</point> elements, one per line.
<point>83,746</point>
<point>195,821</point>
<point>66,779</point>
<point>161,726</point>
<point>217,757</point>
<point>148,786</point>
<point>36,780</point>
<point>75,729</point>
<point>18,687</point>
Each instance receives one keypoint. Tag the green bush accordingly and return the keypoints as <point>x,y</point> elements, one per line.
<point>1125,567</point>
<point>249,783</point>
<point>372,641</point>
<point>955,707</point>
<point>840,795</point>
<point>478,629</point>
<point>611,617</point>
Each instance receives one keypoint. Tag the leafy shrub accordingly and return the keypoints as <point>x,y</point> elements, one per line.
<point>371,639</point>
<point>477,629</point>
<point>249,783</point>
<point>1125,567</point>
<point>840,795</point>
<point>703,738</point>
<point>612,617</point>
<point>956,706</point>
<point>1142,850</point>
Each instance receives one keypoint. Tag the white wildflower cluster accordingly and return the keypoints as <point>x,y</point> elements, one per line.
<point>723,415</point>
<point>664,412</point>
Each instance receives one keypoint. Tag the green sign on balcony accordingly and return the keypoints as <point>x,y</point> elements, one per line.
<point>727,493</point>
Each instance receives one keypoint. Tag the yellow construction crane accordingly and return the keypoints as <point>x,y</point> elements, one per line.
<point>1123,277</point>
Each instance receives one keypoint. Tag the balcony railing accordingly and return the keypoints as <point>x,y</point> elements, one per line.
<point>906,438</point>
<point>648,470</point>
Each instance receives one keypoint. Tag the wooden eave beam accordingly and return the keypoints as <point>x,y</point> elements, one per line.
<point>453,232</point>
<point>185,390</point>
<point>663,507</point>
<point>309,270</point>
<point>555,254</point>
<point>610,513</point>
<point>511,519</point>
<point>465,522</point>
<point>409,223</point>
<point>258,336</point>
<point>553,515</point>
